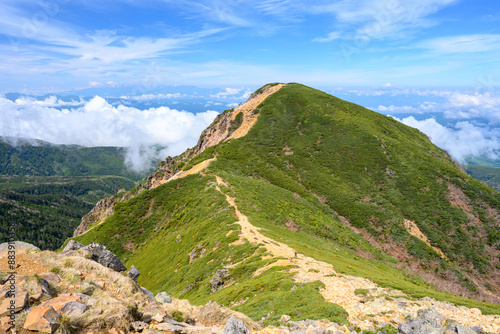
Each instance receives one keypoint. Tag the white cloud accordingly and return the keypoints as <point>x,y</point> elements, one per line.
<point>51,101</point>
<point>462,44</point>
<point>397,109</point>
<point>159,96</point>
<point>330,37</point>
<point>379,19</point>
<point>467,106</point>
<point>97,123</point>
<point>462,141</point>
<point>227,92</point>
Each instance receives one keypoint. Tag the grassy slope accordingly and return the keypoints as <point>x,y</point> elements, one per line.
<point>306,145</point>
<point>153,222</point>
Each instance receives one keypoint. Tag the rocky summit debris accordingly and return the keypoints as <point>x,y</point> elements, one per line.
<point>74,294</point>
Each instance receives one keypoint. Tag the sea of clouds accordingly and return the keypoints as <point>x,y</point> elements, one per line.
<point>464,123</point>
<point>96,122</point>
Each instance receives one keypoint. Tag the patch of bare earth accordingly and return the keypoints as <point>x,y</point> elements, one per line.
<point>413,229</point>
<point>247,109</point>
<point>364,311</point>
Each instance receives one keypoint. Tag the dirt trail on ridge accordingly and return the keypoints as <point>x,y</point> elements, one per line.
<point>380,304</point>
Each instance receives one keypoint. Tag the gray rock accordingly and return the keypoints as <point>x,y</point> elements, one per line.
<point>163,298</point>
<point>478,329</point>
<point>218,280</point>
<point>148,293</point>
<point>104,256</point>
<point>46,287</point>
<point>72,245</point>
<point>431,316</point>
<point>19,245</point>
<point>133,273</point>
<point>465,330</point>
<point>235,326</point>
<point>138,326</point>
<point>73,309</point>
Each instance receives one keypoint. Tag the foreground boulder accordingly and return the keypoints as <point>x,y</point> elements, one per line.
<point>43,319</point>
<point>102,255</point>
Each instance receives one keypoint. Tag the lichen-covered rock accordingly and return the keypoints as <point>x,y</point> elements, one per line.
<point>163,298</point>
<point>235,326</point>
<point>104,256</point>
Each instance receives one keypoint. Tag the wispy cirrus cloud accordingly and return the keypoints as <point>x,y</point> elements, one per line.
<point>380,19</point>
<point>462,44</point>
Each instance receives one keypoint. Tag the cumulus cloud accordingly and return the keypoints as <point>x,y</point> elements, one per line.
<point>463,140</point>
<point>98,123</point>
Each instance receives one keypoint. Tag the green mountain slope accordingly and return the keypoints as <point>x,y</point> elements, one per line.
<point>45,189</point>
<point>334,181</point>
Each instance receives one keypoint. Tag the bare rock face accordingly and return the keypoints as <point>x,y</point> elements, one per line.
<point>43,319</point>
<point>103,209</point>
<point>102,255</point>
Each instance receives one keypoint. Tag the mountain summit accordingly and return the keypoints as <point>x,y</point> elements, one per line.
<point>299,203</point>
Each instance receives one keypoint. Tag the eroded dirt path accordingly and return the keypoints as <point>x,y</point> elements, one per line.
<point>379,305</point>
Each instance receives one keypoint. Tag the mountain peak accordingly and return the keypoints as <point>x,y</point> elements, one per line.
<point>309,191</point>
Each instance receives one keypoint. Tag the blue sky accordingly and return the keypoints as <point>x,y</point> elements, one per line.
<point>433,64</point>
<point>56,44</point>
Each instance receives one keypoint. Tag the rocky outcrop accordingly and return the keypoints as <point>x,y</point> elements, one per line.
<point>166,169</point>
<point>103,209</point>
<point>42,319</point>
<point>104,256</point>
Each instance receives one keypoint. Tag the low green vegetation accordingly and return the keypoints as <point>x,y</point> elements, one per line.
<point>161,233</point>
